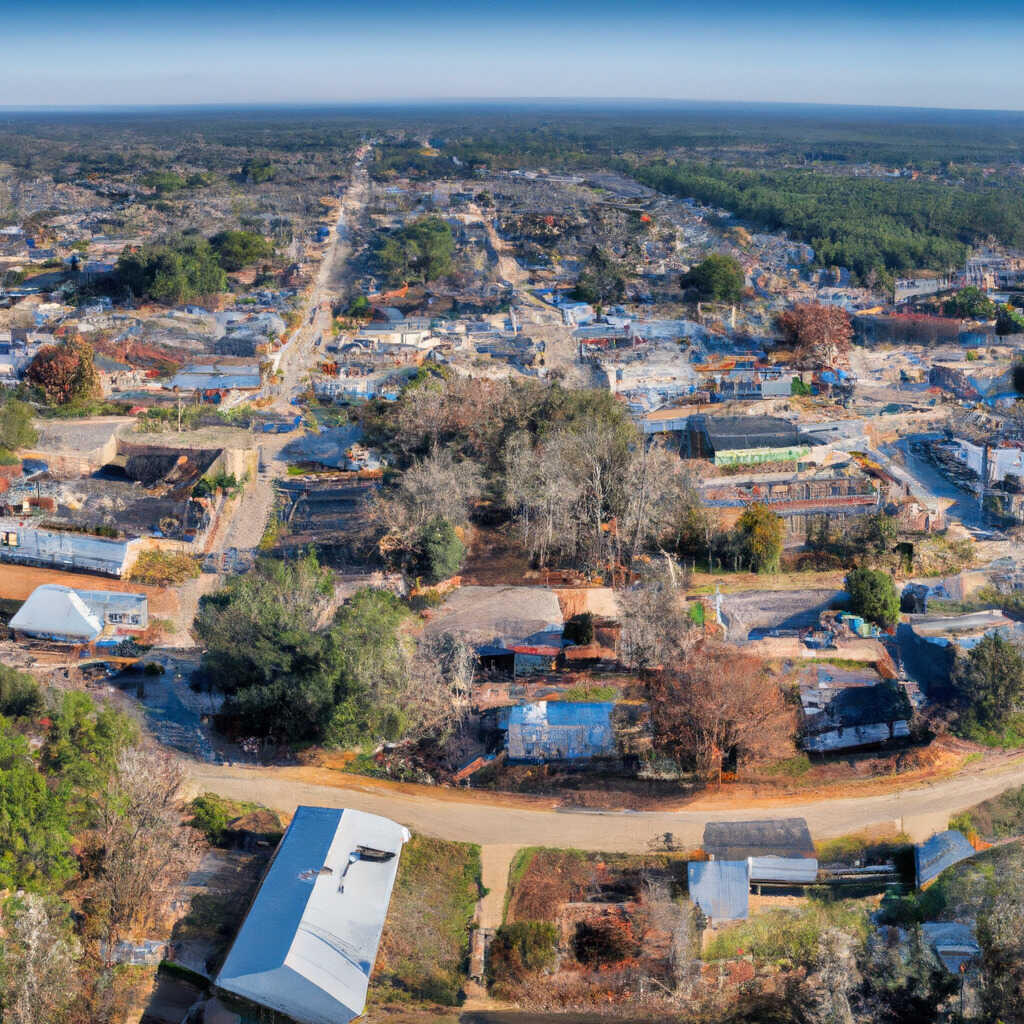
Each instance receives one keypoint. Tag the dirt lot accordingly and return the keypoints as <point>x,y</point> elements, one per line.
<point>18,581</point>
<point>771,609</point>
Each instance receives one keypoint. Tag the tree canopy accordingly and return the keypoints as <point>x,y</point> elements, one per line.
<point>718,278</point>
<point>760,532</point>
<point>420,251</point>
<point>719,705</point>
<point>602,280</point>
<point>439,551</point>
<point>990,681</point>
<point>1009,320</point>
<point>874,227</point>
<point>16,429</point>
<point>238,249</point>
<point>180,270</point>
<point>359,679</point>
<point>819,334</point>
<point>66,373</point>
<point>970,302</point>
<point>873,595</point>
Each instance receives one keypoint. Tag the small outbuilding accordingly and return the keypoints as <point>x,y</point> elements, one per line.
<point>942,851</point>
<point>738,840</point>
<point>954,944</point>
<point>721,888</point>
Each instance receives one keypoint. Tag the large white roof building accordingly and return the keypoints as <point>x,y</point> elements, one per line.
<point>308,944</point>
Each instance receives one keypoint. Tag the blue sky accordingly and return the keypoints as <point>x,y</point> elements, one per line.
<point>154,51</point>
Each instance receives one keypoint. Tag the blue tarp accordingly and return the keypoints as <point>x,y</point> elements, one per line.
<point>943,850</point>
<point>721,888</point>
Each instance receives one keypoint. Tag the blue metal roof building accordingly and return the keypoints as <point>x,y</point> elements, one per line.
<point>559,731</point>
<point>943,850</point>
<point>721,888</point>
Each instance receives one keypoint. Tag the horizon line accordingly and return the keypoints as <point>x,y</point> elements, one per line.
<point>596,101</point>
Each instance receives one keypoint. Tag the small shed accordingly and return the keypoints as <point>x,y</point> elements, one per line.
<point>738,840</point>
<point>943,850</point>
<point>783,870</point>
<point>721,888</point>
<point>954,943</point>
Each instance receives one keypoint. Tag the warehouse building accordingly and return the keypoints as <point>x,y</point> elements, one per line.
<point>309,941</point>
<point>745,440</point>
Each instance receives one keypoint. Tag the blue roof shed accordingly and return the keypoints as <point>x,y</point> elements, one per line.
<point>721,888</point>
<point>943,850</point>
<point>559,731</point>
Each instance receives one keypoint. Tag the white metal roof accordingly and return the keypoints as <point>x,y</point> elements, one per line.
<point>309,941</point>
<point>53,610</point>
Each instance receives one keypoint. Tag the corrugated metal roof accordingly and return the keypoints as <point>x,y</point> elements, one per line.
<point>776,837</point>
<point>560,730</point>
<point>721,888</point>
<point>309,941</point>
<point>953,941</point>
<point>943,850</point>
<point>783,869</point>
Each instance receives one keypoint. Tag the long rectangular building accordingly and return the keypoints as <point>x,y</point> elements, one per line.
<point>24,542</point>
<point>308,944</point>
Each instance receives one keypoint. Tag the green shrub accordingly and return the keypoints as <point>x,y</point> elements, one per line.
<point>210,815</point>
<point>19,694</point>
<point>439,551</point>
<point>579,629</point>
<point>521,946</point>
<point>781,935</point>
<point>425,599</point>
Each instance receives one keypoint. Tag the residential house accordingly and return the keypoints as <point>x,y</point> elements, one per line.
<point>63,615</point>
<point>845,710</point>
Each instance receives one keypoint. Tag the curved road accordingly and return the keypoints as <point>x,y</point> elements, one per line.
<point>503,820</point>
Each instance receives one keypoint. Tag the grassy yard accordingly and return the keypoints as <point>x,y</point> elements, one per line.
<point>787,935</point>
<point>998,818</point>
<point>425,947</point>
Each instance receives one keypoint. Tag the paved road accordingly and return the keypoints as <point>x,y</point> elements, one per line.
<point>505,821</point>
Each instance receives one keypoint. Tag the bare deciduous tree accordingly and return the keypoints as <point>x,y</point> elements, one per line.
<point>434,486</point>
<point>139,849</point>
<point>656,627</point>
<point>720,703</point>
<point>39,957</point>
<point>440,683</point>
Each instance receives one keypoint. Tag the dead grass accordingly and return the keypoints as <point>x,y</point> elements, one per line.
<point>425,945</point>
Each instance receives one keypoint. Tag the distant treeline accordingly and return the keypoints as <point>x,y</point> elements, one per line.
<point>865,224</point>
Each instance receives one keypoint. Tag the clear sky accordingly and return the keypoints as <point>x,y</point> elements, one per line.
<point>899,53</point>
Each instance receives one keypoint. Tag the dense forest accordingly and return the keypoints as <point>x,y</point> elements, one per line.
<point>866,224</point>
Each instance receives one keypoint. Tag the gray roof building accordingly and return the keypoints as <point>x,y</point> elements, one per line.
<point>59,549</point>
<point>738,840</point>
<point>721,888</point>
<point>953,941</point>
<point>308,944</point>
<point>943,850</point>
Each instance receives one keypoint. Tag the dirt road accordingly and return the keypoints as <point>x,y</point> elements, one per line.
<point>245,527</point>
<point>523,821</point>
